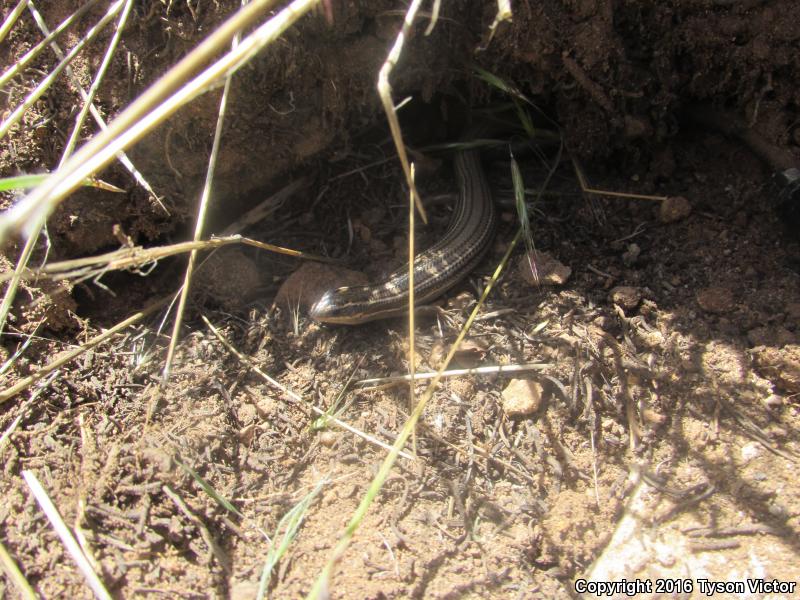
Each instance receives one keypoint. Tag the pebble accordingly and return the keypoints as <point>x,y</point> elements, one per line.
<point>522,397</point>
<point>674,209</point>
<point>547,270</point>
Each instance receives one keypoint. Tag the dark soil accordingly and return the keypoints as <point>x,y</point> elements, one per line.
<point>670,356</point>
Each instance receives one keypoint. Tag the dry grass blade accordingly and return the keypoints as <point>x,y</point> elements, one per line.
<point>86,97</point>
<point>385,92</point>
<point>15,116</point>
<point>27,250</point>
<point>296,397</point>
<point>66,536</point>
<point>411,326</point>
<point>160,101</point>
<point>11,19</point>
<point>488,370</point>
<point>43,86</point>
<point>15,575</point>
<point>202,211</point>
<point>266,207</point>
<point>136,257</point>
<point>585,187</point>
<point>101,71</point>
<point>20,65</point>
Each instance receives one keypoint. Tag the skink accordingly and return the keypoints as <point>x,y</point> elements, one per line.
<point>436,270</point>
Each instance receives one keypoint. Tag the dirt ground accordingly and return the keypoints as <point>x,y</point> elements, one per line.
<point>657,435</point>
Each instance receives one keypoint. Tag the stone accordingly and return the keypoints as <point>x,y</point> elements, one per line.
<point>541,268</point>
<point>522,397</point>
<point>674,209</point>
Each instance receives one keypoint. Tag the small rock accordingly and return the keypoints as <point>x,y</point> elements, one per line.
<point>328,438</point>
<point>626,296</point>
<point>652,417</point>
<point>674,208</point>
<point>522,397</point>
<point>750,451</point>
<point>540,268</point>
<point>773,401</point>
<point>470,354</point>
<point>780,365</point>
<point>715,299</point>
<point>305,286</point>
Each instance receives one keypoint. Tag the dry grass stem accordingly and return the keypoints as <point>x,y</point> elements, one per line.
<point>19,66</point>
<point>43,86</point>
<point>266,207</point>
<point>66,536</point>
<point>590,190</point>
<point>135,257</point>
<point>27,250</point>
<point>385,92</point>
<point>488,370</point>
<point>202,211</point>
<point>87,99</point>
<point>296,397</point>
<point>11,19</point>
<point>411,325</point>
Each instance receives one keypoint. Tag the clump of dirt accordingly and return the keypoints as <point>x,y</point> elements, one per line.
<point>665,353</point>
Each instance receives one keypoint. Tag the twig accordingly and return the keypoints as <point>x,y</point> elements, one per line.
<point>66,536</point>
<point>492,370</point>
<point>594,90</point>
<point>411,328</point>
<point>136,256</point>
